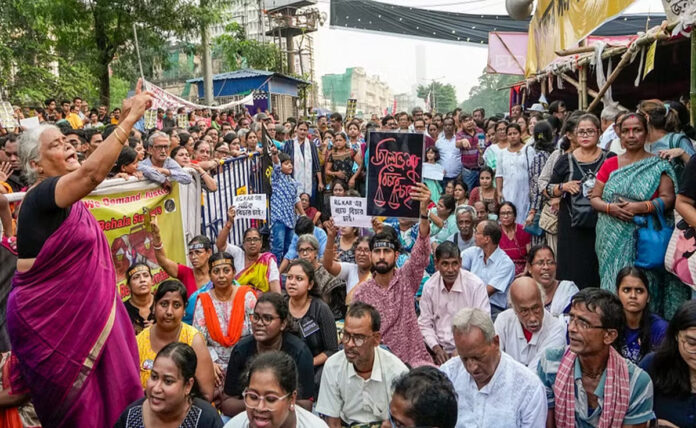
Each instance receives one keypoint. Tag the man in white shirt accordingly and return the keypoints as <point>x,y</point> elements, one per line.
<point>527,329</point>
<point>356,383</point>
<point>450,155</point>
<point>608,117</point>
<point>487,261</point>
<point>493,390</point>
<point>450,289</point>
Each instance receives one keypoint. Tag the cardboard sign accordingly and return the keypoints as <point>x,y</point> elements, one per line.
<point>394,165</point>
<point>351,107</point>
<point>350,212</point>
<point>250,206</point>
<point>29,123</point>
<point>182,120</point>
<point>433,171</point>
<point>7,119</point>
<point>150,119</point>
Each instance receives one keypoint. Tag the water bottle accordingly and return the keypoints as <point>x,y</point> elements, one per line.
<point>481,140</point>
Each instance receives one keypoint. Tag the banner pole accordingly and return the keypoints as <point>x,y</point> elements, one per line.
<point>137,51</point>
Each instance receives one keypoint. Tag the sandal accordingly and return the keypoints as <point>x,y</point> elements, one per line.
<point>9,242</point>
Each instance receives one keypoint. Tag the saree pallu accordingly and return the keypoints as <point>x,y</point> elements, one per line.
<point>616,239</point>
<point>74,342</point>
<point>257,275</point>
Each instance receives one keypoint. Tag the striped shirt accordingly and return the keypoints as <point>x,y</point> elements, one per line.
<point>640,405</point>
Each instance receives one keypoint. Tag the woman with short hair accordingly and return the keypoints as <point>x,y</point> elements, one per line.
<point>140,305</point>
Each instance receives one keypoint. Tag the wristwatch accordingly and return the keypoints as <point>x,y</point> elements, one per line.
<point>425,217</point>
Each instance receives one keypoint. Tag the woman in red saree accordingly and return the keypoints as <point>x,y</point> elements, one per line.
<point>76,350</point>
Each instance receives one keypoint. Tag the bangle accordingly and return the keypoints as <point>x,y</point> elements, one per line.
<point>122,141</point>
<point>157,247</point>
<point>608,208</point>
<point>648,205</point>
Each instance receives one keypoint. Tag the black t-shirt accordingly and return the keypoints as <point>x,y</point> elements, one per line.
<point>679,410</point>
<point>200,415</point>
<point>39,217</point>
<point>688,180</point>
<point>135,318</point>
<point>245,349</point>
<point>318,328</point>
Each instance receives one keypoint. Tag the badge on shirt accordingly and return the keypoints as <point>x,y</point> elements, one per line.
<point>308,327</point>
<point>147,364</point>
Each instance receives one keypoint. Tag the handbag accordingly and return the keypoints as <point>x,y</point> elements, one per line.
<point>582,215</point>
<point>548,220</point>
<point>534,228</point>
<point>652,238</point>
<point>679,259</point>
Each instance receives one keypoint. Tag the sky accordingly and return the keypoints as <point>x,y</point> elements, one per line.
<point>393,58</point>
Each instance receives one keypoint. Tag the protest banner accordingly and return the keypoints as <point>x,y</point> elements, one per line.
<point>394,165</point>
<point>351,107</point>
<point>350,212</point>
<point>182,120</point>
<point>558,25</point>
<point>250,206</point>
<point>121,215</point>
<point>433,171</point>
<point>150,119</point>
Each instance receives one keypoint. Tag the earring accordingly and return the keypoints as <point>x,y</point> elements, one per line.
<point>292,407</point>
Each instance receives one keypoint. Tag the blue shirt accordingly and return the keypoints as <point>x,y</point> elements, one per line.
<point>677,409</point>
<point>679,141</point>
<point>176,172</point>
<point>318,233</point>
<point>640,403</point>
<point>283,198</point>
<point>631,347</point>
<point>498,271</point>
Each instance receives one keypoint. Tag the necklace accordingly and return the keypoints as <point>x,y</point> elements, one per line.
<point>217,296</point>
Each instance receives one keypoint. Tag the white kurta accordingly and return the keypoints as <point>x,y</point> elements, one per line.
<point>514,169</point>
<point>514,397</point>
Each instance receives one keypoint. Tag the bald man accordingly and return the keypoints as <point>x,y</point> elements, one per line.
<point>527,329</point>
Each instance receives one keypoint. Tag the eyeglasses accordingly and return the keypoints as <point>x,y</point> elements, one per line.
<point>506,213</point>
<point>362,250</point>
<point>306,250</point>
<point>581,324</point>
<point>253,400</point>
<point>252,240</point>
<point>688,343</point>
<point>358,339</point>
<point>264,319</point>
<point>160,148</point>
<point>586,132</point>
<point>542,263</point>
<point>524,312</point>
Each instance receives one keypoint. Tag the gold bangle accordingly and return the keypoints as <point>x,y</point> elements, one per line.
<point>119,139</point>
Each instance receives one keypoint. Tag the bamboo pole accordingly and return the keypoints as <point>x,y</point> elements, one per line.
<point>591,92</point>
<point>692,94</point>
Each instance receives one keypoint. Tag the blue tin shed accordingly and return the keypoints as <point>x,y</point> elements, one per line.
<point>272,91</point>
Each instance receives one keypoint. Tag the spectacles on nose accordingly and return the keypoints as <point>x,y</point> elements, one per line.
<point>253,400</point>
<point>160,148</point>
<point>542,263</point>
<point>305,250</point>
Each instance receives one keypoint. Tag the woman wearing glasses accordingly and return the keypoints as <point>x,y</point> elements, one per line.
<point>172,397</point>
<point>270,396</point>
<point>541,265</point>
<point>515,241</point>
<point>673,370</point>
<point>269,326</point>
<point>573,179</point>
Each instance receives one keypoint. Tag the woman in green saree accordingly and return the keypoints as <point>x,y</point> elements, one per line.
<point>628,185</point>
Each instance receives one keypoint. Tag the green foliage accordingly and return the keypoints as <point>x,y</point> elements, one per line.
<point>239,52</point>
<point>118,91</point>
<point>83,38</point>
<point>445,96</point>
<point>488,95</point>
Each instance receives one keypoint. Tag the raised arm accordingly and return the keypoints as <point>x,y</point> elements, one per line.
<point>221,241</point>
<point>169,266</point>
<point>74,186</point>
<point>330,264</point>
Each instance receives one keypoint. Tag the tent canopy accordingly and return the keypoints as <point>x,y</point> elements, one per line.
<point>373,16</point>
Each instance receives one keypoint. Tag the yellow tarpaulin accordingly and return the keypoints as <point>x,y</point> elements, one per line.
<point>561,24</point>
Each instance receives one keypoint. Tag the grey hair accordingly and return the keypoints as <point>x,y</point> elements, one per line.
<point>609,113</point>
<point>308,238</point>
<point>468,318</point>
<point>29,143</point>
<point>466,209</point>
<point>542,294</point>
<point>156,135</point>
<point>242,133</point>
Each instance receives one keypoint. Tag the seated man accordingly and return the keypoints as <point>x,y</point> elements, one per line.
<point>303,226</point>
<point>493,390</point>
<point>466,222</point>
<point>159,167</point>
<point>356,382</point>
<point>423,397</point>
<point>450,289</point>
<point>590,384</point>
<point>487,261</point>
<point>527,329</point>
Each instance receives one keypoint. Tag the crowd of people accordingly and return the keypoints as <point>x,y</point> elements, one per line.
<point>517,298</point>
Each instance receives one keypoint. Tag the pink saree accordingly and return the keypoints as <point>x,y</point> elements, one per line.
<point>74,343</point>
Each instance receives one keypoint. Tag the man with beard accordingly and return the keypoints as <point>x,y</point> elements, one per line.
<point>16,180</point>
<point>391,291</point>
<point>527,329</point>
<point>356,383</point>
<point>450,289</point>
<point>466,222</point>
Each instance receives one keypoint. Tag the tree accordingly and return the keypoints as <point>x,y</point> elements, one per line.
<point>443,97</point>
<point>489,95</point>
<point>239,52</point>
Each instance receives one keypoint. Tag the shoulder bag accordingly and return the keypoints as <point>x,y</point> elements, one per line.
<point>679,258</point>
<point>582,215</point>
<point>652,237</point>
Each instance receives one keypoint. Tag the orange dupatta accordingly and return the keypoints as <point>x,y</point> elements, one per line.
<point>236,322</point>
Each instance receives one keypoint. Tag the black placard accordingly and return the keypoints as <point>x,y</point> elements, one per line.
<point>394,165</point>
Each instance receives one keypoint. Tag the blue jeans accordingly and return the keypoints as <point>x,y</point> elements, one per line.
<point>281,236</point>
<point>471,178</point>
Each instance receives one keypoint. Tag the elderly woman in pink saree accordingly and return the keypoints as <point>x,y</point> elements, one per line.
<point>74,345</point>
